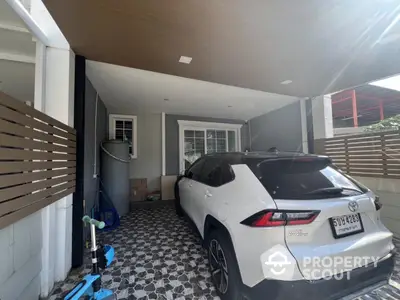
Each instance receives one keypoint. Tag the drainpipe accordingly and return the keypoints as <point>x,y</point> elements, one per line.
<point>33,27</point>
<point>250,137</point>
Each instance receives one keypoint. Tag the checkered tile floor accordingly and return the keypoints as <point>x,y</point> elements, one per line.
<point>159,257</point>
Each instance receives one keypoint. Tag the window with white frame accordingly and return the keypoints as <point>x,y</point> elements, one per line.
<point>124,128</point>
<point>199,138</point>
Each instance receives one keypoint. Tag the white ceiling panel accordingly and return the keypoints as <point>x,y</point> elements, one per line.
<point>132,90</point>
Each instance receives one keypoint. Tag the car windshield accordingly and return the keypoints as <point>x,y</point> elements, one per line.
<point>303,179</point>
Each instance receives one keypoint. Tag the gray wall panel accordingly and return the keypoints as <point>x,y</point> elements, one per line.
<point>92,165</point>
<point>280,128</point>
<point>148,163</point>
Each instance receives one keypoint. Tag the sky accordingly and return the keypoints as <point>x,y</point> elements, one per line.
<point>392,83</point>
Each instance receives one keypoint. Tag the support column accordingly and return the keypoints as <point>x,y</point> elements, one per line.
<point>310,126</point>
<point>354,104</point>
<point>54,95</point>
<point>322,117</point>
<point>304,127</point>
<point>163,166</point>
<point>381,112</point>
<point>60,74</point>
<point>77,224</point>
<point>47,213</point>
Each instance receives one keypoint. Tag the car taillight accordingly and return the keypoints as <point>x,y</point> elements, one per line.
<point>273,218</point>
<point>378,203</point>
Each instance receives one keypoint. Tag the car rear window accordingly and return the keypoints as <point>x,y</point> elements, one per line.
<point>303,178</point>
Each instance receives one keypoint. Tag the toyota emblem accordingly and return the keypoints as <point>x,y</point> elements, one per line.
<point>353,206</point>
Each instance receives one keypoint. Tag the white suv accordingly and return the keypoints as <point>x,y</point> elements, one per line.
<point>285,226</point>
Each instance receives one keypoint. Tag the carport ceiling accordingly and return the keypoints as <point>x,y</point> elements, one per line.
<point>321,46</point>
<point>133,91</point>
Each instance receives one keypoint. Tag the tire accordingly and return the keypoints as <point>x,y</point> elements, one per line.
<point>178,207</point>
<point>219,244</point>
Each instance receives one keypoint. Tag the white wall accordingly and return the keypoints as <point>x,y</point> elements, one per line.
<point>389,192</point>
<point>322,117</point>
<point>20,259</point>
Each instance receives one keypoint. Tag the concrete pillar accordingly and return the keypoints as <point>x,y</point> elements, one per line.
<point>304,129</point>
<point>60,75</point>
<point>322,117</point>
<point>54,95</point>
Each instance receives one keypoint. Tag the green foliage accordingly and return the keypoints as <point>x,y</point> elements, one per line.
<point>392,123</point>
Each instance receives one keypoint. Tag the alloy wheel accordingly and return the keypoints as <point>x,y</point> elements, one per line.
<point>219,268</point>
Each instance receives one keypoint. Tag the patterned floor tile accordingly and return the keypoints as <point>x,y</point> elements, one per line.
<point>159,257</point>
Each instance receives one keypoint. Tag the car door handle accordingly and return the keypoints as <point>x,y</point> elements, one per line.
<point>208,194</point>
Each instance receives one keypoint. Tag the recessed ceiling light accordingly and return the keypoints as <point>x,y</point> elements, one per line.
<point>286,82</point>
<point>185,59</point>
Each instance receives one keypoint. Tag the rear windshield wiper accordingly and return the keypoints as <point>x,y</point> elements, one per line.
<point>332,190</point>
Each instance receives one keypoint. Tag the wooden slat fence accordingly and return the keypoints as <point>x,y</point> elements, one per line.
<point>374,154</point>
<point>37,160</point>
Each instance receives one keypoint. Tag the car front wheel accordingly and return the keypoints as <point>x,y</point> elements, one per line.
<point>223,266</point>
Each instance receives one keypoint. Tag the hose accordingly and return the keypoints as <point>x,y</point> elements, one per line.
<point>112,155</point>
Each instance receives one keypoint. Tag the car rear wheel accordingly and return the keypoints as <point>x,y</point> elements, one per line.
<point>178,207</point>
<point>223,267</point>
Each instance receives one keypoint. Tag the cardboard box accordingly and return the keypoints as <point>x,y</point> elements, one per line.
<point>139,189</point>
<point>168,187</point>
<point>139,183</point>
<point>138,195</point>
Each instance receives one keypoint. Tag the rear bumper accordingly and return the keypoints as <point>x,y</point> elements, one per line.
<point>323,289</point>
